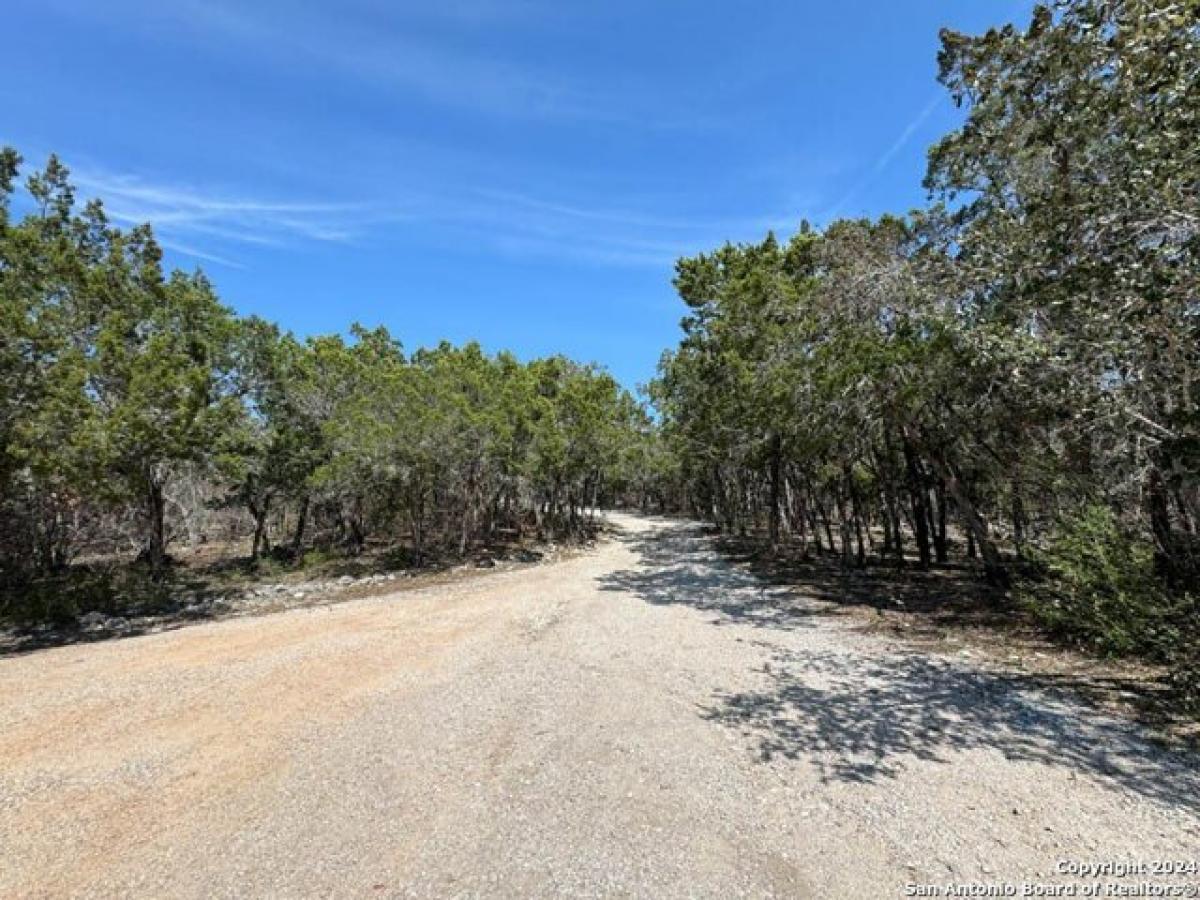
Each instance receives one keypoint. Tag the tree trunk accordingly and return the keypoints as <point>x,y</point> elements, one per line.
<point>799,506</point>
<point>259,514</point>
<point>301,524</point>
<point>824,517</point>
<point>416,519</point>
<point>1018,518</point>
<point>1157,501</point>
<point>940,545</point>
<point>918,498</point>
<point>844,529</point>
<point>156,544</point>
<point>893,513</point>
<point>975,523</point>
<point>776,478</point>
<point>357,527</point>
<point>856,516</point>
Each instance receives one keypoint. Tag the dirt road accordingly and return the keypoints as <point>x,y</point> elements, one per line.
<point>643,720</point>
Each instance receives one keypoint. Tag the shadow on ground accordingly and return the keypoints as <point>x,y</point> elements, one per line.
<point>683,564</point>
<point>861,717</point>
<point>679,566</point>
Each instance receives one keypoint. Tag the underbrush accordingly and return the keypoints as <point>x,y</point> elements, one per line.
<point>60,599</point>
<point>1096,584</point>
<point>123,587</point>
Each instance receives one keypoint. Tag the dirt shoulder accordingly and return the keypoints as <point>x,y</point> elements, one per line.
<point>235,593</point>
<point>950,611</point>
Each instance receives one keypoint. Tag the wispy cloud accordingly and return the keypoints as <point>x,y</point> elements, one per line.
<point>627,218</point>
<point>905,136</point>
<point>190,221</point>
<point>198,254</point>
<point>885,159</point>
<point>523,224</point>
<point>211,225</point>
<point>183,216</point>
<point>444,53</point>
<point>390,49</point>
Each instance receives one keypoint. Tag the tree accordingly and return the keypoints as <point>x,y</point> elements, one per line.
<point>1080,227</point>
<point>161,383</point>
<point>275,448</point>
<point>1021,356</point>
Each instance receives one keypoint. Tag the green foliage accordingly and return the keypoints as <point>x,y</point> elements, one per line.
<point>316,558</point>
<point>127,388</point>
<point>117,374</point>
<point>1029,344</point>
<point>59,599</point>
<point>1098,585</point>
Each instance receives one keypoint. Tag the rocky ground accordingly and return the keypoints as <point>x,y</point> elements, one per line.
<point>645,720</point>
<point>253,598</point>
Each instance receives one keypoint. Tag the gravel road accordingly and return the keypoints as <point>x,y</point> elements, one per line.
<point>643,720</point>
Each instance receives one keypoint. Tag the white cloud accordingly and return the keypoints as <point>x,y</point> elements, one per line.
<point>203,255</point>
<point>378,45</point>
<point>183,215</point>
<point>443,52</point>
<point>888,155</point>
<point>223,226</point>
<point>528,225</point>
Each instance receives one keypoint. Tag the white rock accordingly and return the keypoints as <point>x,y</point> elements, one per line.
<point>92,621</point>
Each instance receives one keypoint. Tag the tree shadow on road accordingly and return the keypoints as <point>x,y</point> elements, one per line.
<point>679,567</point>
<point>861,717</point>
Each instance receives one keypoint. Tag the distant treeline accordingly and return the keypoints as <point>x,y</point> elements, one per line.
<point>133,401</point>
<point>1011,374</point>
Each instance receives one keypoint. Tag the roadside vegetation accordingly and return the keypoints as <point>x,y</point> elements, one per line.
<point>1004,383</point>
<point>1006,379</point>
<point>143,423</point>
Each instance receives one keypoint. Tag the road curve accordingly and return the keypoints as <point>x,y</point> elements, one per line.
<point>644,720</point>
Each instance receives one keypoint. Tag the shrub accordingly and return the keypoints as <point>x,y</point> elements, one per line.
<point>1096,583</point>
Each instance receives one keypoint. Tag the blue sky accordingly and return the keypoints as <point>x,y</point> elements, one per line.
<point>521,172</point>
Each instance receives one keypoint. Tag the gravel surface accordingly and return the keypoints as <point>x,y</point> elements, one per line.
<point>643,720</point>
